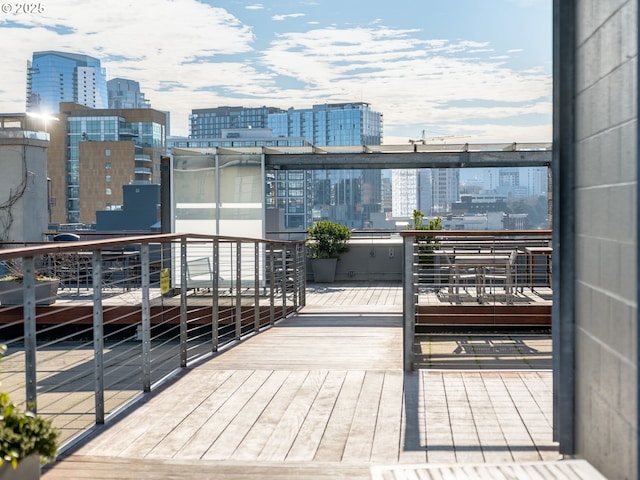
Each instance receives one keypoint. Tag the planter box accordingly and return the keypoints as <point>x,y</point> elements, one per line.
<point>11,292</point>
<point>28,469</point>
<point>324,269</point>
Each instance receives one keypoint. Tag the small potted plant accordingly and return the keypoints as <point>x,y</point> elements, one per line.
<point>26,440</point>
<point>326,240</point>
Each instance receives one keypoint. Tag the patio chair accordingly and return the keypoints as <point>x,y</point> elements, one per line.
<point>498,275</point>
<point>461,277</point>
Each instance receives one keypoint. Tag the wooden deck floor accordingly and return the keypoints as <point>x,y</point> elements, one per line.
<point>323,395</point>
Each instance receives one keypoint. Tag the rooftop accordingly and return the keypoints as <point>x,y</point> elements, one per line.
<point>322,394</point>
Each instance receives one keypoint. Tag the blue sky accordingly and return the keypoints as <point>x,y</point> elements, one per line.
<point>477,70</point>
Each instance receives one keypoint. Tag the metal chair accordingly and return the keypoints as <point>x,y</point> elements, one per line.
<point>501,275</point>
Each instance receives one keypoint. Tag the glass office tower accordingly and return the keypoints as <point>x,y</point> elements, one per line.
<point>337,124</point>
<point>209,122</point>
<point>125,93</point>
<point>54,77</point>
<point>344,196</point>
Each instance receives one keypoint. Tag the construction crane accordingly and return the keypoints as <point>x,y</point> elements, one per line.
<point>442,138</point>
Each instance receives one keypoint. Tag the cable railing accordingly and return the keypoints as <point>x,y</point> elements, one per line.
<point>474,280</point>
<point>92,325</point>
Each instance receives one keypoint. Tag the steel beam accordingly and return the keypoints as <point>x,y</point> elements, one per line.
<point>404,160</point>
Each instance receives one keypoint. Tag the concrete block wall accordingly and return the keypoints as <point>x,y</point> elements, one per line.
<point>606,243</point>
<point>24,216</point>
<point>369,260</point>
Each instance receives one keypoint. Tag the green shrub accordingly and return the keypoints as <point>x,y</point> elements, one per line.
<point>327,239</point>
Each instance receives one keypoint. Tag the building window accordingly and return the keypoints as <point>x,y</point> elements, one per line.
<point>108,178</point>
<point>107,152</point>
<point>107,165</point>
<point>108,191</point>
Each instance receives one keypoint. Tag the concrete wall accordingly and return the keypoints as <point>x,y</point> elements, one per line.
<point>605,156</point>
<point>24,215</point>
<point>369,260</point>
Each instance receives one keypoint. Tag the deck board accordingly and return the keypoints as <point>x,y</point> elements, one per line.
<point>233,435</point>
<point>332,443</point>
<point>286,432</point>
<point>360,440</point>
<point>310,434</point>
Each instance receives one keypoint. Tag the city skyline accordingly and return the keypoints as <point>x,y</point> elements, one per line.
<point>481,70</point>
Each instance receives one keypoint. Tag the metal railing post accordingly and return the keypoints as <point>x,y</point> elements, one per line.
<point>272,284</point>
<point>256,287</point>
<point>238,291</point>
<point>183,302</point>
<point>146,318</point>
<point>215,304</point>
<point>29,298</point>
<point>295,289</point>
<point>284,280</point>
<point>98,334</point>
<point>303,274</point>
<point>409,302</point>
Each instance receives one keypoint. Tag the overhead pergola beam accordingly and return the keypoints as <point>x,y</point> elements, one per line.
<point>363,157</point>
<point>398,160</point>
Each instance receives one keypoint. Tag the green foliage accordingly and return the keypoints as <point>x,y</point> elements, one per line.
<point>327,239</point>
<point>434,223</point>
<point>24,433</point>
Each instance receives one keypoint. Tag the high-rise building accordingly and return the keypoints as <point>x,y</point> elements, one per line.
<point>432,191</point>
<point>94,152</point>
<point>516,181</point>
<point>209,122</point>
<point>124,93</point>
<point>55,77</point>
<point>445,189</point>
<point>405,192</point>
<point>344,196</point>
<point>337,124</point>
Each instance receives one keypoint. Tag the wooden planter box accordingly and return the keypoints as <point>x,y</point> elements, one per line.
<point>11,292</point>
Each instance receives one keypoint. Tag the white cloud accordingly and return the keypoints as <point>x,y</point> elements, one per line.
<point>190,55</point>
<point>279,18</point>
<point>169,46</point>
<point>413,82</point>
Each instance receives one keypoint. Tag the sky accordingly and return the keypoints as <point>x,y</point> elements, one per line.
<point>449,71</point>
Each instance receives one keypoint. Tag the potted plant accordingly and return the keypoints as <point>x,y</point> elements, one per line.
<point>26,440</point>
<point>326,240</point>
<point>11,288</point>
